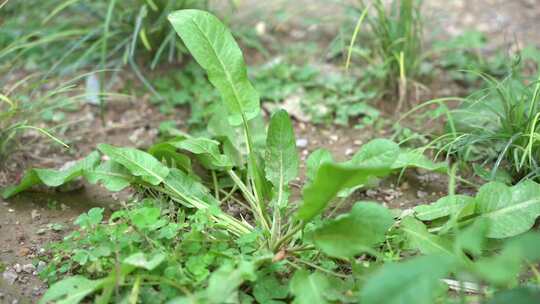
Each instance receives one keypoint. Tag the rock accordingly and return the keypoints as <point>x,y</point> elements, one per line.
<point>41,266</point>
<point>260,28</point>
<point>301,142</point>
<point>421,194</point>
<point>349,151</point>
<point>92,90</point>
<point>17,267</point>
<point>371,193</point>
<point>41,231</point>
<point>35,215</point>
<point>29,268</point>
<point>24,251</point>
<point>67,165</point>
<point>10,276</point>
<point>292,104</point>
<point>333,138</point>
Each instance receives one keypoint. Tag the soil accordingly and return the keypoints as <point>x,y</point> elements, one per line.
<point>26,220</point>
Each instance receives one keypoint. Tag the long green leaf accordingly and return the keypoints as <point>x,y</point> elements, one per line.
<point>52,178</point>
<point>139,163</point>
<point>355,232</point>
<point>281,156</point>
<point>112,176</point>
<point>332,178</point>
<point>445,206</point>
<point>509,211</point>
<point>71,290</point>
<point>414,281</point>
<point>214,48</point>
<point>207,150</point>
<point>309,288</point>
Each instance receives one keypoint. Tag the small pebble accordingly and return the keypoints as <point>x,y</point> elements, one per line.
<point>301,143</point>
<point>10,276</point>
<point>17,267</point>
<point>421,194</point>
<point>29,268</point>
<point>35,215</point>
<point>349,151</point>
<point>41,266</point>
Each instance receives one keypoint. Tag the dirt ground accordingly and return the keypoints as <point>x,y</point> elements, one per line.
<point>29,221</point>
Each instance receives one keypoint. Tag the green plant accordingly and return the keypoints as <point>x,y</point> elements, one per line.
<point>155,251</point>
<point>23,106</point>
<point>465,53</point>
<point>395,42</point>
<point>498,127</point>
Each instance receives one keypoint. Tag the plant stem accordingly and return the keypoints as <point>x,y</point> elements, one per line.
<point>216,186</point>
<point>288,236</point>
<point>250,199</point>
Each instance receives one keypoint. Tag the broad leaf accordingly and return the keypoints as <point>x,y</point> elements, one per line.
<point>207,150</point>
<point>309,288</point>
<point>52,178</point>
<point>354,233</point>
<point>71,290</point>
<point>415,158</point>
<point>111,175</point>
<point>182,186</point>
<point>378,153</point>
<point>167,152</point>
<point>509,211</point>
<point>268,289</point>
<point>414,281</point>
<point>419,238</point>
<point>139,163</point>
<point>503,269</point>
<point>519,295</point>
<point>214,48</point>
<point>330,179</point>
<point>315,160</point>
<point>141,260</point>
<point>224,282</point>
<point>444,207</point>
<point>281,155</point>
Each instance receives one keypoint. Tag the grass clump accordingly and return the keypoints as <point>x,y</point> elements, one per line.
<point>498,128</point>
<point>394,43</point>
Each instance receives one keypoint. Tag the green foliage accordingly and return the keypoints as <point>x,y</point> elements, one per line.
<point>52,178</point>
<point>416,280</point>
<point>464,53</point>
<point>355,232</point>
<point>499,127</point>
<point>91,31</point>
<point>215,49</point>
<point>281,156</point>
<point>320,95</point>
<point>183,245</point>
<point>394,43</point>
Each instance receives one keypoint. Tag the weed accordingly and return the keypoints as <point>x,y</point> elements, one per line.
<point>498,127</point>
<point>466,53</point>
<point>184,243</point>
<point>395,43</point>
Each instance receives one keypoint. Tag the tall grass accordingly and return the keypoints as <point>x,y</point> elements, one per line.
<point>499,127</point>
<point>395,39</point>
<point>82,33</point>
